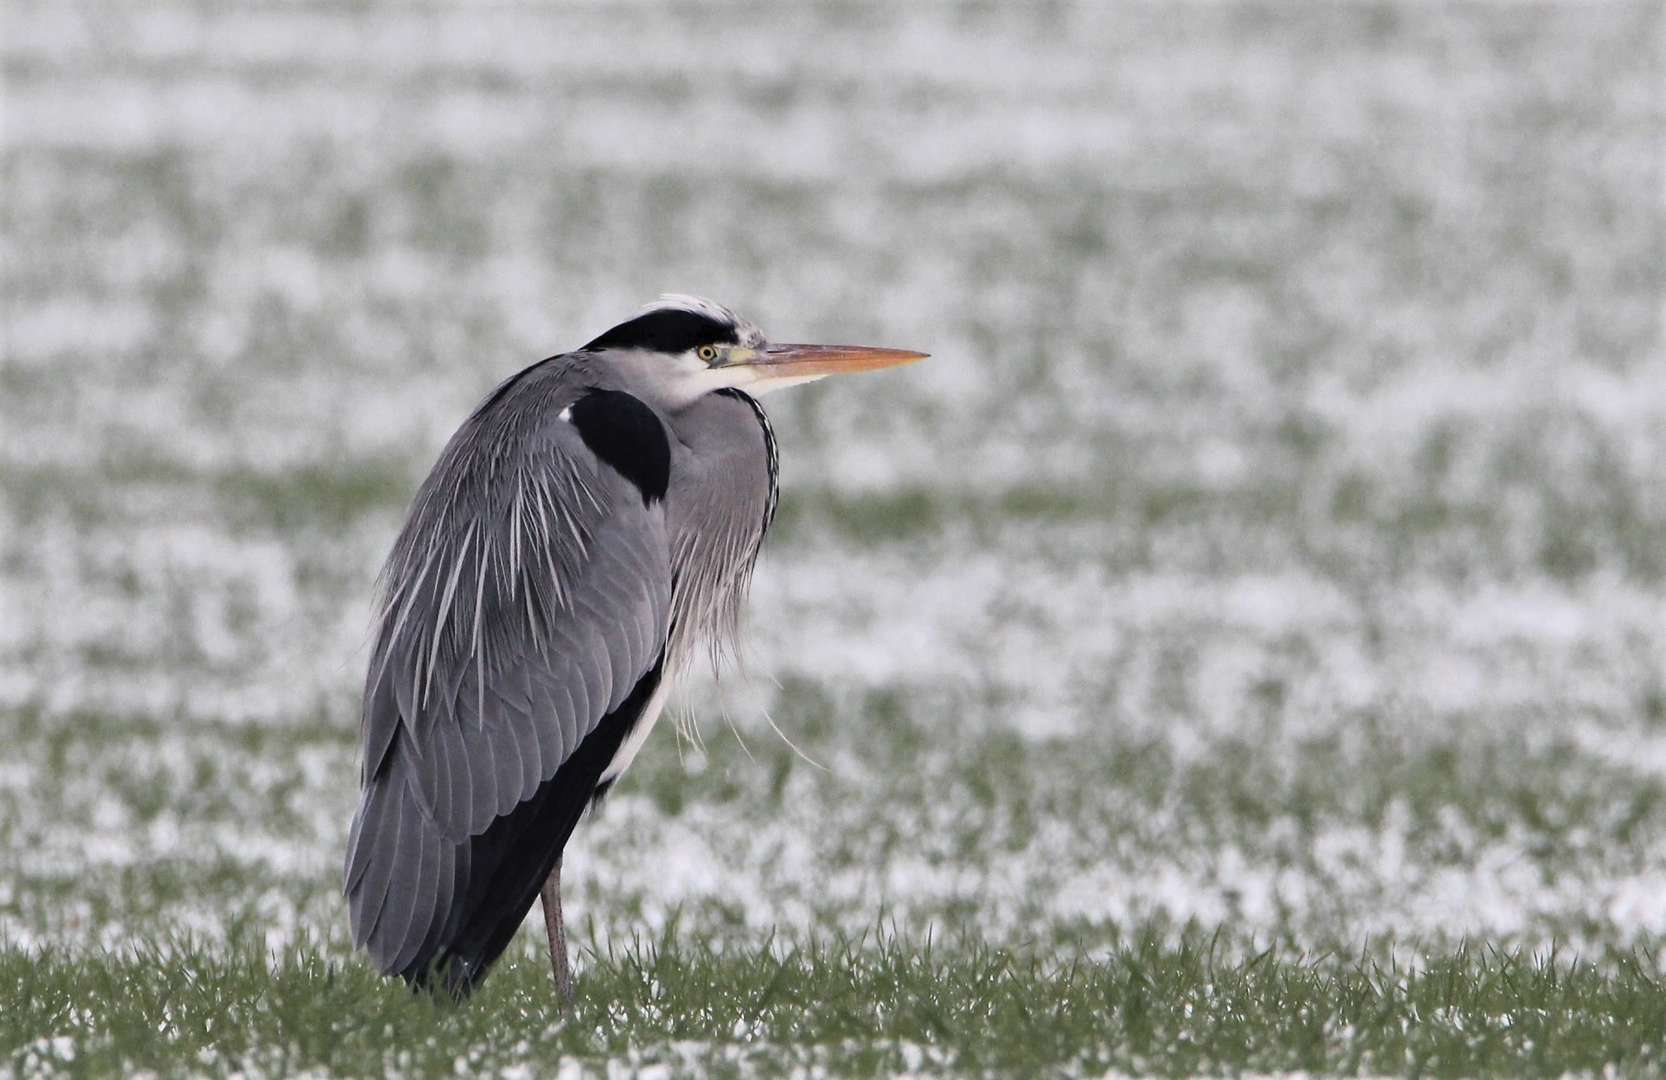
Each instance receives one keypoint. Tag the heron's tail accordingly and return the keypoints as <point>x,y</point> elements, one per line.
<point>402,878</point>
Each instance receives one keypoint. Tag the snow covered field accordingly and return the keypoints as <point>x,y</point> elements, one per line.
<point>1276,540</point>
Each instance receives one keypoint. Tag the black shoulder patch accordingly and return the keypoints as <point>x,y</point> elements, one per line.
<point>668,330</point>
<point>627,435</point>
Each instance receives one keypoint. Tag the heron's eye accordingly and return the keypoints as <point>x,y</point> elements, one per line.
<point>707,353</point>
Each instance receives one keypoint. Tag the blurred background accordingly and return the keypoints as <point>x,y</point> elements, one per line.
<point>1275,541</point>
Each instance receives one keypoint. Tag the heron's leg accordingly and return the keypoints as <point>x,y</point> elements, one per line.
<point>558,938</point>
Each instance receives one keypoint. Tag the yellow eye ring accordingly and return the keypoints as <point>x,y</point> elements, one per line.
<point>706,353</point>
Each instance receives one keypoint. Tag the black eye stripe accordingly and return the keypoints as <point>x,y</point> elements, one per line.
<point>669,331</point>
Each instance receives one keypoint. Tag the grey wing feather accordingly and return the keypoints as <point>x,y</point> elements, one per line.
<point>516,617</point>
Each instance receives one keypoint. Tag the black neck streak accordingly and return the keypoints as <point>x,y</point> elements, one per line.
<point>770,450</point>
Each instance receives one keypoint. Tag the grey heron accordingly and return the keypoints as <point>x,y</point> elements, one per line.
<point>591,524</point>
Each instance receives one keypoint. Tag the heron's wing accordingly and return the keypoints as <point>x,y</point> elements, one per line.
<point>527,601</point>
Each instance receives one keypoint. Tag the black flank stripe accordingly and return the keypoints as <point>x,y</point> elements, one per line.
<point>510,860</point>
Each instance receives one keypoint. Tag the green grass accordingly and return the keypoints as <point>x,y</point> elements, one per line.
<point>873,1006</point>
<point>1238,647</point>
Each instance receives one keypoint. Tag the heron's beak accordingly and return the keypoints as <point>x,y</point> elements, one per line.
<point>814,361</point>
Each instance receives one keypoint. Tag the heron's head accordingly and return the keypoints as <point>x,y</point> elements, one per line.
<point>682,347</point>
